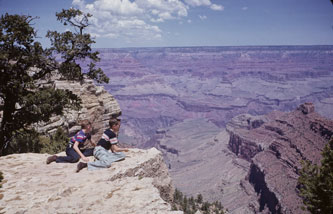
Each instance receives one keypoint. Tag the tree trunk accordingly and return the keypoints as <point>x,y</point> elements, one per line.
<point>6,127</point>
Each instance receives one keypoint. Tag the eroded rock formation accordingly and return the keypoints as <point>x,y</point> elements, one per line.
<point>200,162</point>
<point>159,87</point>
<point>275,150</point>
<point>252,166</point>
<point>97,106</point>
<point>139,184</point>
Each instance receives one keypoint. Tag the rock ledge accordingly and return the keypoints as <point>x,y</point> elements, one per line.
<point>139,184</point>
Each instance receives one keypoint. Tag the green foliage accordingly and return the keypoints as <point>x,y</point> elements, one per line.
<point>31,141</point>
<point>75,47</point>
<point>178,195</point>
<point>316,183</point>
<point>1,178</point>
<point>199,198</point>
<point>24,64</point>
<point>24,141</point>
<point>205,206</point>
<point>190,205</point>
<point>55,143</point>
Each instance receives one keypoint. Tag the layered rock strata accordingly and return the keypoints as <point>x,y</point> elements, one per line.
<point>275,148</point>
<point>159,87</point>
<point>252,166</point>
<point>199,161</point>
<point>98,106</point>
<point>139,184</point>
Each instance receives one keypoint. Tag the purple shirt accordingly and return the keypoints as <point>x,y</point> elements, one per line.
<point>80,137</point>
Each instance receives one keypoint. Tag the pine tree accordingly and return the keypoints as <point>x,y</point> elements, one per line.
<point>24,63</point>
<point>75,47</point>
<point>199,198</point>
<point>316,183</point>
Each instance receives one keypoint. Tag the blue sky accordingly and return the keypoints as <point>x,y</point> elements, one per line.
<point>165,23</point>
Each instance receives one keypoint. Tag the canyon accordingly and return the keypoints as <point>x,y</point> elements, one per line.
<point>251,166</point>
<point>158,87</point>
<point>220,116</point>
<point>232,124</point>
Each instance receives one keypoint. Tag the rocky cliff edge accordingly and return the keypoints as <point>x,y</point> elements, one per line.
<point>97,106</point>
<point>138,184</point>
<point>275,145</point>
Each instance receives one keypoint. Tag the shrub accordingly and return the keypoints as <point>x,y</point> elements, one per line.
<point>1,178</point>
<point>55,143</point>
<point>191,205</point>
<point>316,183</point>
<point>31,141</point>
<point>25,141</point>
<point>199,198</point>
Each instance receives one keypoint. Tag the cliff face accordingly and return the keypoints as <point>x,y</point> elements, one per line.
<point>199,161</point>
<point>275,149</point>
<point>139,184</point>
<point>159,87</point>
<point>97,106</point>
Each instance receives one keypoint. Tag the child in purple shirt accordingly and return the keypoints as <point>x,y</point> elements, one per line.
<point>74,150</point>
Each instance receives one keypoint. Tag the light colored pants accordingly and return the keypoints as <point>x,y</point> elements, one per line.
<point>104,158</point>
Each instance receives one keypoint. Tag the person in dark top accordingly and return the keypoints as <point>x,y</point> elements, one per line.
<point>107,150</point>
<point>74,150</point>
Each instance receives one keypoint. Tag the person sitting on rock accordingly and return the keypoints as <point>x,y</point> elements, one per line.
<point>107,150</point>
<point>74,150</point>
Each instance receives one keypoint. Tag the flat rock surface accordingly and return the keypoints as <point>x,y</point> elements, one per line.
<point>134,185</point>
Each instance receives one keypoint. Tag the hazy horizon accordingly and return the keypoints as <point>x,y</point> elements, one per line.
<point>213,46</point>
<point>188,23</point>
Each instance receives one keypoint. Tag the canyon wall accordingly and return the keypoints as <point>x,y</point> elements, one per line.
<point>165,92</point>
<point>275,150</point>
<point>250,167</point>
<point>158,87</point>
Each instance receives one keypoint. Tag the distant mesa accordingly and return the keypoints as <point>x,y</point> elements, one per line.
<point>158,87</point>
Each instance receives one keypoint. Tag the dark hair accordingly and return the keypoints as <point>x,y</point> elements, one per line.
<point>113,122</point>
<point>85,123</point>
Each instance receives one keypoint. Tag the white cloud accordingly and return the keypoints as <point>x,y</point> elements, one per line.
<point>202,17</point>
<point>123,19</point>
<point>136,20</point>
<point>196,3</point>
<point>157,20</point>
<point>245,8</point>
<point>117,7</point>
<point>173,8</point>
<point>216,7</point>
<point>208,3</point>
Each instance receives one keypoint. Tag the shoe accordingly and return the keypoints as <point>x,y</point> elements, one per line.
<point>51,159</point>
<point>81,166</point>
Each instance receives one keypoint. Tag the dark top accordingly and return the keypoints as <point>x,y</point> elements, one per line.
<point>80,137</point>
<point>108,138</point>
